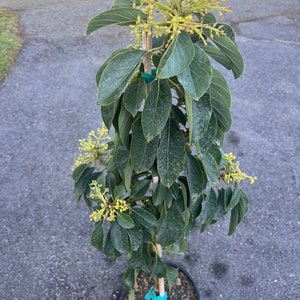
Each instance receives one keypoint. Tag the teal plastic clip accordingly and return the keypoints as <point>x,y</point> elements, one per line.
<point>152,296</point>
<point>149,77</point>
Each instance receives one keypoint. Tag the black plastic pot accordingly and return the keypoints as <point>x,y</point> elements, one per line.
<point>124,291</point>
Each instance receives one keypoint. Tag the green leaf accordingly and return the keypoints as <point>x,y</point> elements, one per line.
<point>218,56</point>
<point>195,175</point>
<point>117,74</point>
<point>160,268</point>
<point>210,207</point>
<point>172,275</point>
<point>157,109</point>
<point>238,212</point>
<point>109,112</point>
<point>177,57</point>
<point>211,168</point>
<point>145,218</point>
<point>125,221</point>
<point>140,259</point>
<point>117,16</point>
<point>140,188</point>
<point>97,236</point>
<point>220,211</point>
<point>219,88</point>
<point>122,159</point>
<point>77,173</point>
<point>135,237</point>
<point>196,78</point>
<point>124,124</point>
<point>199,115</point>
<point>81,183</point>
<point>170,153</point>
<point>129,278</point>
<point>235,198</point>
<point>162,194</point>
<point>109,248</point>
<point>207,139</point>
<point>143,154</point>
<point>171,227</point>
<point>125,3</point>
<point>119,238</point>
<point>134,96</point>
<point>229,48</point>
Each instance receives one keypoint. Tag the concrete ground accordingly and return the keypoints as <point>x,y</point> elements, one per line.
<point>48,101</point>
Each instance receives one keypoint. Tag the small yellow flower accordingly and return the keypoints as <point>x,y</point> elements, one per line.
<point>233,173</point>
<point>94,149</point>
<point>109,207</point>
<point>175,16</point>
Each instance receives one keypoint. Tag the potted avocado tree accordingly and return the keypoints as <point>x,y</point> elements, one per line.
<point>168,109</point>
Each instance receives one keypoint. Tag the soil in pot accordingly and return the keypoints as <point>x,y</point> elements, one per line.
<point>183,289</point>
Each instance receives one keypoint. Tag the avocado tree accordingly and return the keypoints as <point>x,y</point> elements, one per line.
<point>168,109</point>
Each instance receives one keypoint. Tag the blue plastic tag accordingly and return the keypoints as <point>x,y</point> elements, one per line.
<point>149,77</point>
<point>152,296</point>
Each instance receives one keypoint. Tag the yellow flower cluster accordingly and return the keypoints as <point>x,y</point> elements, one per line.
<point>175,16</point>
<point>109,210</point>
<point>94,149</point>
<point>233,172</point>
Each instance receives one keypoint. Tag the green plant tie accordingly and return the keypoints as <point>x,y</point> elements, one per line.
<point>149,77</point>
<point>151,295</point>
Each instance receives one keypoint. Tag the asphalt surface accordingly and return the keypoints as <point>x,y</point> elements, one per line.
<point>48,101</point>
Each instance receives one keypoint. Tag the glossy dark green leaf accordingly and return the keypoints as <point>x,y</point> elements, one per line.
<point>208,138</point>
<point>125,221</point>
<point>211,168</point>
<point>104,65</point>
<point>109,113</point>
<point>122,159</point>
<point>218,56</point>
<point>229,48</point>
<point>129,278</point>
<point>195,175</point>
<point>196,78</point>
<point>157,109</point>
<point>124,124</point>
<point>143,154</point>
<point>135,237</point>
<point>115,16</point>
<point>210,207</point>
<point>119,238</point>
<point>172,275</point>
<point>125,3</point>
<point>177,57</point>
<point>140,259</point>
<point>238,212</point>
<point>162,194</point>
<point>117,74</point>
<point>219,89</point>
<point>160,268</point>
<point>81,183</point>
<point>220,211</point>
<point>119,192</point>
<point>97,236</point>
<point>170,154</point>
<point>145,218</point>
<point>78,171</point>
<point>199,115</point>
<point>171,227</point>
<point>109,248</point>
<point>235,197</point>
<point>140,188</point>
<point>134,96</point>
